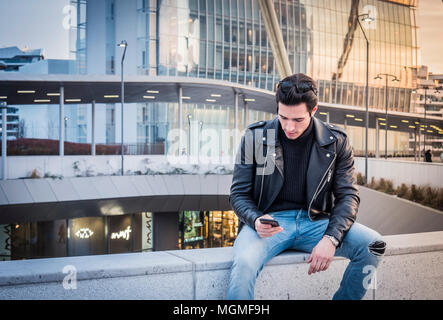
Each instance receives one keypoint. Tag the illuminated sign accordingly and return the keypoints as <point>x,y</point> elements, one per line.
<point>122,234</point>
<point>84,233</point>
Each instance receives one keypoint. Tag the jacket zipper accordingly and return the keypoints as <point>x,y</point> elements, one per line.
<point>317,191</point>
<point>263,176</point>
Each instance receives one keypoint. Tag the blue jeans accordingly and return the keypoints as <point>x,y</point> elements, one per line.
<point>251,253</point>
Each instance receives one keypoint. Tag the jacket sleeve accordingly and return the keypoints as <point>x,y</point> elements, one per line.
<point>241,195</point>
<point>346,194</point>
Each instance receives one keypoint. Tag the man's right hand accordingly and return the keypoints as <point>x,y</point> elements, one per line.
<point>266,230</point>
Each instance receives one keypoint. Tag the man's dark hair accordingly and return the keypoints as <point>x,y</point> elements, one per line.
<point>296,89</point>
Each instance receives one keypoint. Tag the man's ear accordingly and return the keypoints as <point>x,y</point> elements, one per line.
<point>314,110</point>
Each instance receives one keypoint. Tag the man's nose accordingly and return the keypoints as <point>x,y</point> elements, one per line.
<point>290,127</point>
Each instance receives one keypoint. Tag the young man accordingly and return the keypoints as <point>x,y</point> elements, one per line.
<point>299,171</point>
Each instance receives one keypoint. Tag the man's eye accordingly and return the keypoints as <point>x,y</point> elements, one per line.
<point>300,120</point>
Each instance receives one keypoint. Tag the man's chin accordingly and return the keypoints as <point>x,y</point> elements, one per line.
<point>293,136</point>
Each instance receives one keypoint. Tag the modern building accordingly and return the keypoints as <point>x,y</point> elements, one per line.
<point>15,127</point>
<point>193,65</point>
<point>429,102</point>
<point>13,58</point>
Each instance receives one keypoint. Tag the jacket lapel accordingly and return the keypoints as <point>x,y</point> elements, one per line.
<point>320,158</point>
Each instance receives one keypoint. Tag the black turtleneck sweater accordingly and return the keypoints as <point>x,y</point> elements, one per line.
<point>296,153</point>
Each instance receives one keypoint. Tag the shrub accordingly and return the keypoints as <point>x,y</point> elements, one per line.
<point>428,195</point>
<point>35,174</point>
<point>372,184</point>
<point>415,194</point>
<point>360,179</point>
<point>439,200</point>
<point>389,187</point>
<point>381,185</point>
<point>402,190</point>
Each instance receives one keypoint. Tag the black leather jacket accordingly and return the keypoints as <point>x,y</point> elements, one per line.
<point>331,185</point>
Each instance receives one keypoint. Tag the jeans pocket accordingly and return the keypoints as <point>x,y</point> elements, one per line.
<point>315,229</point>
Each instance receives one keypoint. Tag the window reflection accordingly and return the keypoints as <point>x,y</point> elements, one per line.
<point>207,229</point>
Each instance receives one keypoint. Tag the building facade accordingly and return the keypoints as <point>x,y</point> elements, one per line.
<point>227,40</point>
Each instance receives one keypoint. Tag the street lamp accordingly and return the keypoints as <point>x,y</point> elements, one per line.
<point>395,79</point>
<point>199,139</point>
<point>124,45</point>
<point>366,18</point>
<point>66,125</point>
<point>189,135</point>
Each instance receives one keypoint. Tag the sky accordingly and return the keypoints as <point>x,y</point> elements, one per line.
<point>24,22</point>
<point>35,24</point>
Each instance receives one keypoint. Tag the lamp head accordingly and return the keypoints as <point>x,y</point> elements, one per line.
<point>367,18</point>
<point>122,44</point>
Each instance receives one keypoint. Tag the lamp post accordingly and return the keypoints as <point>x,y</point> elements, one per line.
<point>66,125</point>
<point>124,45</point>
<point>199,139</point>
<point>3,108</point>
<point>395,79</point>
<point>189,135</point>
<point>426,88</point>
<point>366,18</point>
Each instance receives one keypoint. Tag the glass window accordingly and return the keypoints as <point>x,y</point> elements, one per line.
<point>234,9</point>
<point>120,234</point>
<point>226,7</point>
<point>211,33</point>
<point>87,236</point>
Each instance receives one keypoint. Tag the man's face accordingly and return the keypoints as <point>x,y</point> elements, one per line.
<point>294,119</point>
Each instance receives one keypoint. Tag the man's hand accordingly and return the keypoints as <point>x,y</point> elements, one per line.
<point>321,256</point>
<point>266,230</point>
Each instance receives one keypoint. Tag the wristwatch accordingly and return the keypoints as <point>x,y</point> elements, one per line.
<point>333,240</point>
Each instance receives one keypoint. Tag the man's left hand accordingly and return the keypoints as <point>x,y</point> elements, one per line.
<point>321,256</point>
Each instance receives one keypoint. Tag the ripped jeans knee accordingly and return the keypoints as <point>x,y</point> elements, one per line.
<point>377,248</point>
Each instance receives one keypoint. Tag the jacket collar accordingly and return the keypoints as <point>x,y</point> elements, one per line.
<point>322,134</point>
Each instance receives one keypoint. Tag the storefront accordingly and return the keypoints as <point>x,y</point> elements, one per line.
<point>207,229</point>
<point>118,234</point>
<point>77,237</point>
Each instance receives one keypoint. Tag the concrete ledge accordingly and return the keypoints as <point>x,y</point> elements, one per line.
<point>410,269</point>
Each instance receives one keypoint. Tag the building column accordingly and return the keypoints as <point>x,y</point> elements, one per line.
<point>415,144</point>
<point>180,118</point>
<point>245,116</point>
<point>275,38</point>
<point>166,228</point>
<point>4,107</point>
<point>377,139</point>
<point>234,145</point>
<point>61,143</point>
<point>419,142</point>
<point>93,129</point>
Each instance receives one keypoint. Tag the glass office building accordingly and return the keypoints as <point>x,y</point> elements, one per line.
<point>227,40</point>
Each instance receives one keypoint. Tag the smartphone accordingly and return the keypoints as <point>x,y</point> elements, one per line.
<point>273,223</point>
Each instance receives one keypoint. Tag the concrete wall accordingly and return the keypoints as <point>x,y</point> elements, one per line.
<point>410,269</point>
<point>398,171</point>
<point>22,166</point>
<point>409,172</point>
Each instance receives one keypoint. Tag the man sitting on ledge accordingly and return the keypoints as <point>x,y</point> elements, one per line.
<point>299,171</point>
